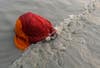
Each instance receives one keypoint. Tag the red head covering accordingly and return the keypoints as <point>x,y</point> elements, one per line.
<point>31,28</point>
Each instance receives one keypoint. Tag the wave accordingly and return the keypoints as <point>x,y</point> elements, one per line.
<point>72,47</point>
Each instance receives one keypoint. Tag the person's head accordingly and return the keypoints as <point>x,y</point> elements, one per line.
<point>31,28</point>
